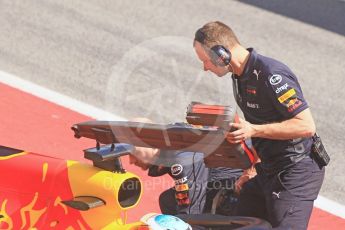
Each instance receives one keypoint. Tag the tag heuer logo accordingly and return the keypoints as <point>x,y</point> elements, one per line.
<point>176,169</point>
<point>275,79</point>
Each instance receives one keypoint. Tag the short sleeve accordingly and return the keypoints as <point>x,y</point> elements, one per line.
<point>181,185</point>
<point>156,171</point>
<point>286,94</point>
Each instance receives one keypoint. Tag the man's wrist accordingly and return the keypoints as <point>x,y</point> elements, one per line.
<point>256,130</point>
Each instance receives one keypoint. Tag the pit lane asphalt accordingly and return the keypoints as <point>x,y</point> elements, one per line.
<point>135,58</point>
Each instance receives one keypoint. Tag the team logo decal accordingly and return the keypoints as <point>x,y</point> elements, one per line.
<point>275,79</point>
<point>291,102</point>
<point>294,106</point>
<point>251,90</point>
<point>176,169</point>
<point>181,196</point>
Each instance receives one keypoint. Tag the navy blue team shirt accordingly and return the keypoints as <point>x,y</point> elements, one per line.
<point>267,92</point>
<point>190,175</point>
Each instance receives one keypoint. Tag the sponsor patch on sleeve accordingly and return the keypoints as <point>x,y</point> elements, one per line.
<point>181,187</point>
<point>275,79</point>
<point>296,103</point>
<point>290,102</point>
<point>181,196</point>
<point>282,88</point>
<point>183,202</point>
<point>289,94</point>
<point>176,169</point>
<point>181,181</point>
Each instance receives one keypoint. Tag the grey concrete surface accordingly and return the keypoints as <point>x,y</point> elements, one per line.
<point>329,15</point>
<point>135,58</point>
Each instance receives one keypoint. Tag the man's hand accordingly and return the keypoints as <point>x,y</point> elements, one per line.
<point>246,176</point>
<point>240,182</point>
<point>244,130</point>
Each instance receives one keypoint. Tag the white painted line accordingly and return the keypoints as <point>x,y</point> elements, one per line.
<point>89,110</point>
<point>330,206</point>
<point>57,98</point>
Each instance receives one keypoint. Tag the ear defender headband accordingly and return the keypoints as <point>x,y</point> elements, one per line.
<point>220,55</point>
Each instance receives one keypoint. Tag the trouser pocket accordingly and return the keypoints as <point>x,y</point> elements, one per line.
<point>302,181</point>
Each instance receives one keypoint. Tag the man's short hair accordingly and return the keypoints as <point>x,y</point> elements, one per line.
<point>216,33</point>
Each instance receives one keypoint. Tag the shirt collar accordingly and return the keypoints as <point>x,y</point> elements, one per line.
<point>249,67</point>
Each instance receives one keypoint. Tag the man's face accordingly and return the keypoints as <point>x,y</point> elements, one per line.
<point>142,157</point>
<point>220,71</point>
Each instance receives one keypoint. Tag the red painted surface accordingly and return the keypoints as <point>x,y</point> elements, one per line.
<point>31,123</point>
<point>26,189</point>
<point>323,220</point>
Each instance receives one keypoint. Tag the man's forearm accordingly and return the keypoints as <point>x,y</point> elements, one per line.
<point>285,130</point>
<point>301,125</point>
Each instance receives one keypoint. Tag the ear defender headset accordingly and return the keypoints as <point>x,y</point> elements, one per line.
<point>220,55</point>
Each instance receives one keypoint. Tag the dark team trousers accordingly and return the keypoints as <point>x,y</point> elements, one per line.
<point>285,199</point>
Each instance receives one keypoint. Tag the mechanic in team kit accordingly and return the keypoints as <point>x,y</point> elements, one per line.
<point>278,120</point>
<point>194,183</point>
<point>188,171</point>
